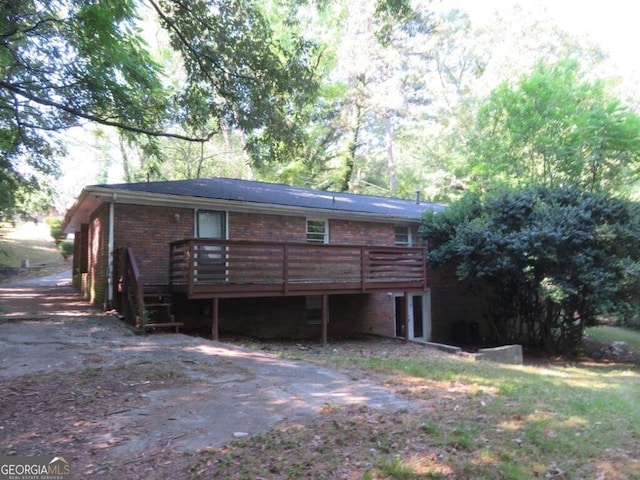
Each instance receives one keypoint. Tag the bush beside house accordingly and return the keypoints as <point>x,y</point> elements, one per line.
<point>549,261</point>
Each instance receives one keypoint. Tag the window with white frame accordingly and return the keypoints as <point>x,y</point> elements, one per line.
<point>402,236</point>
<point>317,231</point>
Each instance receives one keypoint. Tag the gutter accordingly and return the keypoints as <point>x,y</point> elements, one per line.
<point>154,199</point>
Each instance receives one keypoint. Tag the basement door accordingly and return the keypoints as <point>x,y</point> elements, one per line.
<point>419,316</point>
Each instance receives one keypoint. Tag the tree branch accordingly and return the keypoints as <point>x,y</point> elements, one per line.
<point>171,25</point>
<point>95,118</point>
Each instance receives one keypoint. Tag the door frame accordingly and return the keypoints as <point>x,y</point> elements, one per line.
<point>208,253</point>
<point>424,297</point>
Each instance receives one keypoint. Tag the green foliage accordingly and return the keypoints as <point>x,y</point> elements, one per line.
<point>551,259</point>
<point>244,70</point>
<point>66,249</point>
<point>554,127</point>
<point>66,62</point>
<point>55,228</point>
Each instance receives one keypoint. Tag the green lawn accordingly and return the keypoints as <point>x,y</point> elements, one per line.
<point>606,333</point>
<point>478,420</point>
<point>33,243</point>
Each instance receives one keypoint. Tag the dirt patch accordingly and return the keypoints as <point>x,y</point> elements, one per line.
<point>78,383</point>
<point>343,443</point>
<point>451,429</point>
<point>71,412</point>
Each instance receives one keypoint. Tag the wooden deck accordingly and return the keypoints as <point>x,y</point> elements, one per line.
<point>208,268</point>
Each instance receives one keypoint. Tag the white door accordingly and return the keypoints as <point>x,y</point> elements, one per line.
<point>210,258</point>
<point>419,316</point>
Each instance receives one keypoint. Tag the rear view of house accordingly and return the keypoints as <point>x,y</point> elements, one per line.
<point>262,259</point>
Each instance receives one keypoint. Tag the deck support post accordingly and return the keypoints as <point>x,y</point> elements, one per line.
<point>215,319</point>
<point>406,316</point>
<point>325,318</point>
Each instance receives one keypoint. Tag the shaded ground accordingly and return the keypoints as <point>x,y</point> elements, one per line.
<point>79,384</point>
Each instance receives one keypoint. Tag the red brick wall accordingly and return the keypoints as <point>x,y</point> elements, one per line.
<point>98,256</point>
<point>285,317</point>
<point>348,232</point>
<point>380,315</point>
<point>283,228</point>
<point>149,231</point>
<point>274,228</point>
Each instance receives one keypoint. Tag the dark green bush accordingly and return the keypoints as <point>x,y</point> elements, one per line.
<point>551,260</point>
<point>66,249</point>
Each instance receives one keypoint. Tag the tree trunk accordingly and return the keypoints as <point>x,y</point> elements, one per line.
<point>125,160</point>
<point>356,121</point>
<point>390,161</point>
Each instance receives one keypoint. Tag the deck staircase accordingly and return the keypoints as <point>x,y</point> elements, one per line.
<point>158,303</point>
<point>147,307</point>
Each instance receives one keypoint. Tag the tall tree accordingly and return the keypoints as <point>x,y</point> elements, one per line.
<point>63,62</point>
<point>472,58</point>
<point>555,127</point>
<point>66,62</point>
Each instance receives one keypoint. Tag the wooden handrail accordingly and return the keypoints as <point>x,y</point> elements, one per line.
<point>138,285</point>
<point>130,287</point>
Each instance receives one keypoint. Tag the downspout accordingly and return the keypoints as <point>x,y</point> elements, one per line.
<point>109,299</point>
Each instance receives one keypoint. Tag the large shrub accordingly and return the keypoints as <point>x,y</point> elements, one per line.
<point>55,229</point>
<point>551,259</point>
<point>66,249</point>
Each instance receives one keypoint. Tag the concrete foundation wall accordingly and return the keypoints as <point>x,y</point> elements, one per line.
<point>505,354</point>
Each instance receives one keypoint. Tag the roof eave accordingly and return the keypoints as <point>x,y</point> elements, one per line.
<point>91,197</point>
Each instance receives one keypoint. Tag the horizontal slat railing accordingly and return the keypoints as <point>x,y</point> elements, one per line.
<point>216,268</point>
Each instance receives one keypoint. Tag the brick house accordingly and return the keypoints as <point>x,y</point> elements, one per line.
<point>237,256</point>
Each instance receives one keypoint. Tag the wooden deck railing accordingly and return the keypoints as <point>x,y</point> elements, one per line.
<point>207,268</point>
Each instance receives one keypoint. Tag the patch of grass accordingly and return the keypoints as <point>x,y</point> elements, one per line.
<point>28,241</point>
<point>471,420</point>
<point>608,334</point>
<point>396,468</point>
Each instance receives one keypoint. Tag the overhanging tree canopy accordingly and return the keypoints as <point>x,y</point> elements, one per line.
<point>67,61</point>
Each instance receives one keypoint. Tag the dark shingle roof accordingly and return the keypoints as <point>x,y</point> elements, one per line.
<point>246,191</point>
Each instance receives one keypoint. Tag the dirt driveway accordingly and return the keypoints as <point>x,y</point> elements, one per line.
<point>77,383</point>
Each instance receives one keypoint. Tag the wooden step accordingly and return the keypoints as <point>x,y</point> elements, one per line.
<point>158,298</point>
<point>177,325</point>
